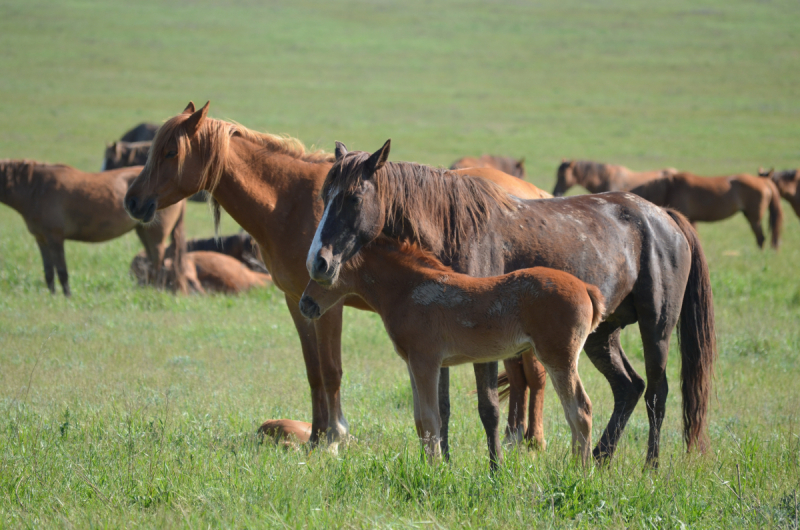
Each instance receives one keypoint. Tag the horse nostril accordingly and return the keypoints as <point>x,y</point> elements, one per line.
<point>131,204</point>
<point>321,264</point>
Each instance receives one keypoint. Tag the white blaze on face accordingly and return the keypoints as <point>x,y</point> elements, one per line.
<point>316,244</point>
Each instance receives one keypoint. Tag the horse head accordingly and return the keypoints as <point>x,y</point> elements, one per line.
<point>565,177</point>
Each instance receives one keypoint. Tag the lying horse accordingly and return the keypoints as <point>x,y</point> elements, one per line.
<point>241,246</point>
<point>205,272</point>
<point>436,317</point>
<point>287,433</point>
<point>598,178</point>
<point>59,202</point>
<point>126,154</point>
<point>788,184</point>
<point>506,164</point>
<point>647,262</point>
<point>711,199</point>
<point>274,196</point>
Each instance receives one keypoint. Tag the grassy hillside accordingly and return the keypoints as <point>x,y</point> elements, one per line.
<point>128,407</point>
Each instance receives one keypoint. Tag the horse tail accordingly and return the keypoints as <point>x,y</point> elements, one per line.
<point>775,214</point>
<point>697,340</point>
<point>503,386</point>
<point>179,242</point>
<point>598,305</point>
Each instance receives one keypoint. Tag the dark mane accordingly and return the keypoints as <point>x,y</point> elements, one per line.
<point>417,196</point>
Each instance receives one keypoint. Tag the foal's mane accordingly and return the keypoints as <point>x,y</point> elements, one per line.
<point>417,196</point>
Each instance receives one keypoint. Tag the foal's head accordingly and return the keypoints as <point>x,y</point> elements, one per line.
<point>565,177</point>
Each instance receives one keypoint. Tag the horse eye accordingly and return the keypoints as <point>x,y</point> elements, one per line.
<point>171,154</point>
<point>354,200</point>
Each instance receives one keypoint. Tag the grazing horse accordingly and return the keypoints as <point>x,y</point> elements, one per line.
<point>125,154</point>
<point>141,133</point>
<point>59,202</point>
<point>437,317</point>
<point>598,178</point>
<point>788,184</point>
<point>711,199</point>
<point>646,261</point>
<point>271,186</point>
<point>506,164</point>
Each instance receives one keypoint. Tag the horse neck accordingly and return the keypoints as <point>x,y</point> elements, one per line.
<point>17,188</point>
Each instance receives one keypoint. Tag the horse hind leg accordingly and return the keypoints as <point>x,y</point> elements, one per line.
<point>49,268</point>
<point>517,402</point>
<point>60,262</point>
<point>577,408</point>
<point>489,409</point>
<point>426,380</point>
<point>754,218</point>
<point>535,375</point>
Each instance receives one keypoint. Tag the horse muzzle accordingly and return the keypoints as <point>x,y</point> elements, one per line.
<point>309,308</point>
<point>141,210</point>
<point>323,269</point>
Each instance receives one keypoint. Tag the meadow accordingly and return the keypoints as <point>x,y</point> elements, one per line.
<point>128,407</point>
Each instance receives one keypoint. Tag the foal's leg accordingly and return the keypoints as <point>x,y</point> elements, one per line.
<point>60,262</point>
<point>415,395</point>
<point>329,348</point>
<point>604,350</point>
<point>517,401</point>
<point>47,260</point>
<point>536,377</point>
<point>489,408</point>
<point>152,238</point>
<point>308,342</point>
<point>426,379</point>
<point>577,407</point>
<point>444,409</point>
<point>754,214</point>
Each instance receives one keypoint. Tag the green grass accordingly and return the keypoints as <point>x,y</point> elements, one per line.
<point>127,407</point>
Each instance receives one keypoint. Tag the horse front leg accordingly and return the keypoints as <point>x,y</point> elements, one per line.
<point>536,376</point>
<point>47,261</point>
<point>444,410</point>
<point>489,409</point>
<point>517,401</point>
<point>308,341</point>
<point>425,381</point>
<point>60,263</point>
<point>329,347</point>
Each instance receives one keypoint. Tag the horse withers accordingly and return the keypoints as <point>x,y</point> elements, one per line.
<point>436,317</point>
<point>506,164</point>
<point>788,184</point>
<point>125,154</point>
<point>59,202</point>
<point>599,178</point>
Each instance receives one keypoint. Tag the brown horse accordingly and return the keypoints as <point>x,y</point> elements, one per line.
<point>506,164</point>
<point>271,186</point>
<point>59,202</point>
<point>711,199</point>
<point>436,317</point>
<point>788,184</point>
<point>125,154</point>
<point>646,261</point>
<point>287,433</point>
<point>598,178</point>
<point>141,133</point>
<point>241,246</point>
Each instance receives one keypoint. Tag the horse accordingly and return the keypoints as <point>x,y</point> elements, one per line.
<point>285,432</point>
<point>437,317</point>
<point>711,199</point>
<point>270,185</point>
<point>506,164</point>
<point>241,246</point>
<point>787,183</point>
<point>205,271</point>
<point>125,154</point>
<point>599,178</point>
<point>141,133</point>
<point>59,202</point>
<point>646,261</point>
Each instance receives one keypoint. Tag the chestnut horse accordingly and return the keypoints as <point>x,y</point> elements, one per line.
<point>598,178</point>
<point>716,198</point>
<point>59,202</point>
<point>506,164</point>
<point>270,185</point>
<point>241,246</point>
<point>436,317</point>
<point>125,154</point>
<point>788,184</point>
<point>646,261</point>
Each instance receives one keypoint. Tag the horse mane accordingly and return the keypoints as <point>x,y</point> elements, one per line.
<point>586,168</point>
<point>416,195</point>
<point>214,138</point>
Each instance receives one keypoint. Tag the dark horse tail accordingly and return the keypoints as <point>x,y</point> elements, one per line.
<point>775,214</point>
<point>696,336</point>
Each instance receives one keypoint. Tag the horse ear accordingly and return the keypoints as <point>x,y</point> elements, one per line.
<point>763,173</point>
<point>521,163</point>
<point>563,160</point>
<point>196,120</point>
<point>379,158</point>
<point>189,108</point>
<point>340,150</point>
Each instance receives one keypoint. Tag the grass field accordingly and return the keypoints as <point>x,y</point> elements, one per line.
<point>126,407</point>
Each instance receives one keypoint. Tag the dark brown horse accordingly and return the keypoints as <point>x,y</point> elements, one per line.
<point>125,154</point>
<point>506,164</point>
<point>709,199</point>
<point>788,184</point>
<point>270,185</point>
<point>59,202</point>
<point>141,133</point>
<point>437,317</point>
<point>646,261</point>
<point>241,246</point>
<point>599,178</point>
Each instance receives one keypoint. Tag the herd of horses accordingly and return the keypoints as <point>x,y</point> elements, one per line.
<point>470,264</point>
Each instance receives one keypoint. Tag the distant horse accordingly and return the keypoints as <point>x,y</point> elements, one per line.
<point>59,202</point>
<point>271,186</point>
<point>436,317</point>
<point>709,199</point>
<point>287,433</point>
<point>506,164</point>
<point>599,178</point>
<point>205,272</point>
<point>241,246</point>
<point>141,133</point>
<point>125,154</point>
<point>788,184</point>
<point>647,262</point>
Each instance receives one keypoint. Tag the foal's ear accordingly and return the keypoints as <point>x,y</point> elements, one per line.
<point>189,108</point>
<point>196,120</point>
<point>340,150</point>
<point>379,158</point>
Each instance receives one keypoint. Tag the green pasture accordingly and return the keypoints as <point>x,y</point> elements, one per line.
<point>127,407</point>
